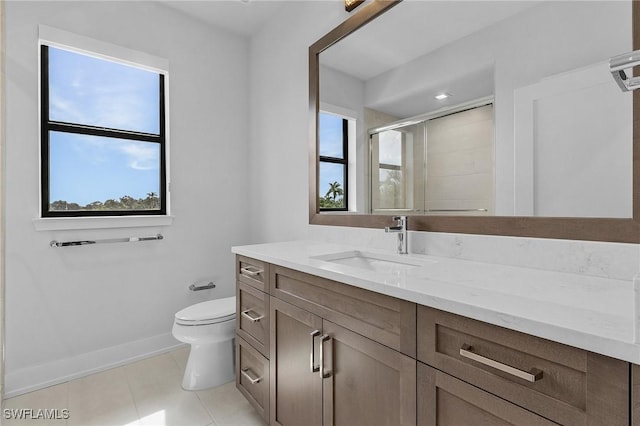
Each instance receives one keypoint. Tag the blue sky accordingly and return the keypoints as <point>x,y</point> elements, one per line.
<point>330,136</point>
<point>92,91</point>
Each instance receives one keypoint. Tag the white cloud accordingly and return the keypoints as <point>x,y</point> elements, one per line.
<point>141,155</point>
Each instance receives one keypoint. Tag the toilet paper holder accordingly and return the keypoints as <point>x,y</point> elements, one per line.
<point>198,287</point>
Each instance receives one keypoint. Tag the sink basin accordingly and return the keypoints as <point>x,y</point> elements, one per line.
<point>371,261</point>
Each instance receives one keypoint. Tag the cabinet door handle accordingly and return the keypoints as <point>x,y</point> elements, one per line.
<point>251,318</point>
<point>312,365</point>
<point>323,374</point>
<point>253,380</point>
<point>251,271</point>
<point>531,376</point>
<point>312,362</point>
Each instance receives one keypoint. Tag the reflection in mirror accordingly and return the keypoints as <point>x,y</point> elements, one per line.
<point>440,165</point>
<point>333,142</point>
<point>555,139</point>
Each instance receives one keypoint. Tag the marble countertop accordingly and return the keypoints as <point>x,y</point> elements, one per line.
<point>592,313</point>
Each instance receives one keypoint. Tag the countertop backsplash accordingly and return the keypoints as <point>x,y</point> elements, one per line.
<point>599,259</point>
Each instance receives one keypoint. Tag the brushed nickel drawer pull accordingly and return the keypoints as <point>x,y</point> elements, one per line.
<point>251,271</point>
<point>245,372</point>
<point>245,314</point>
<point>323,373</point>
<point>531,376</point>
<point>312,366</point>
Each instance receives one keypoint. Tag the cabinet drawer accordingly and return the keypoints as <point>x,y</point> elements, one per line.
<point>253,317</point>
<point>379,317</point>
<point>446,401</point>
<point>253,272</point>
<point>252,377</point>
<point>573,386</point>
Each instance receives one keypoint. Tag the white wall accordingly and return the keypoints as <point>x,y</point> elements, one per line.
<point>279,143</point>
<point>75,309</point>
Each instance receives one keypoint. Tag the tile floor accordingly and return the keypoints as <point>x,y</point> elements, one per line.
<point>144,393</point>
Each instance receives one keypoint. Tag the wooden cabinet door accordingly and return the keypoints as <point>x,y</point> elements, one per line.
<point>365,383</point>
<point>295,390</point>
<point>444,400</point>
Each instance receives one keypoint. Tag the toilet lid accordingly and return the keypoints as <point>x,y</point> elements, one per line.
<point>210,311</point>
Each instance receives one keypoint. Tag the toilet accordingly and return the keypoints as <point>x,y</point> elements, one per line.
<point>209,327</point>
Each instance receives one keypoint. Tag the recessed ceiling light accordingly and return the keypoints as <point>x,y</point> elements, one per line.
<point>442,96</point>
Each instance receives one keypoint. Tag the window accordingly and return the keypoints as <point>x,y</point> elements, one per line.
<point>397,157</point>
<point>333,147</point>
<point>103,137</point>
<point>391,170</point>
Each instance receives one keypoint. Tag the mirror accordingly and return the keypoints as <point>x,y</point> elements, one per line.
<point>557,138</point>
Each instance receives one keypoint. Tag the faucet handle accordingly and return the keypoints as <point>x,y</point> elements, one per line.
<point>400,220</point>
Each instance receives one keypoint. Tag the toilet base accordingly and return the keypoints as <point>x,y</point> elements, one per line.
<point>209,365</point>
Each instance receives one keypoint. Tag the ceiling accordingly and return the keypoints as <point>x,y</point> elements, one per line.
<point>241,17</point>
<point>413,29</point>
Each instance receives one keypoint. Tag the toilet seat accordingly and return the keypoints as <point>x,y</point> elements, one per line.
<point>209,312</point>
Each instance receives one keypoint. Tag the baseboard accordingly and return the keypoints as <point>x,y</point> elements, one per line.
<point>52,373</point>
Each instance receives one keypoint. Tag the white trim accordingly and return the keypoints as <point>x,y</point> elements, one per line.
<point>86,222</point>
<point>338,111</point>
<point>96,48</point>
<point>52,373</point>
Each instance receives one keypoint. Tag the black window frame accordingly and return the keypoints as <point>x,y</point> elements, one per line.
<point>47,126</point>
<point>336,160</point>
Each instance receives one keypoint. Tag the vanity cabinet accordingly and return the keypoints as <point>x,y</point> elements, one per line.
<point>323,372</point>
<point>381,318</point>
<point>444,400</point>
<point>252,323</point>
<point>365,382</point>
<point>253,272</point>
<point>564,384</point>
<point>252,376</point>
<point>252,332</point>
<point>341,355</point>
<point>296,390</point>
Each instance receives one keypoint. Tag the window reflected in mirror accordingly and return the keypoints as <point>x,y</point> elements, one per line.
<point>333,144</point>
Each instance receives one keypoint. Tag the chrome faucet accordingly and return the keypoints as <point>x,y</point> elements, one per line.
<point>401,229</point>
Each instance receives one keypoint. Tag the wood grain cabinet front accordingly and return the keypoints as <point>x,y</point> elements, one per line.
<point>252,322</point>
<point>444,400</point>
<point>252,272</point>
<point>252,379</point>
<point>567,385</point>
<point>296,387</point>
<point>324,374</point>
<point>384,319</point>
<point>252,333</point>
<point>365,383</point>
